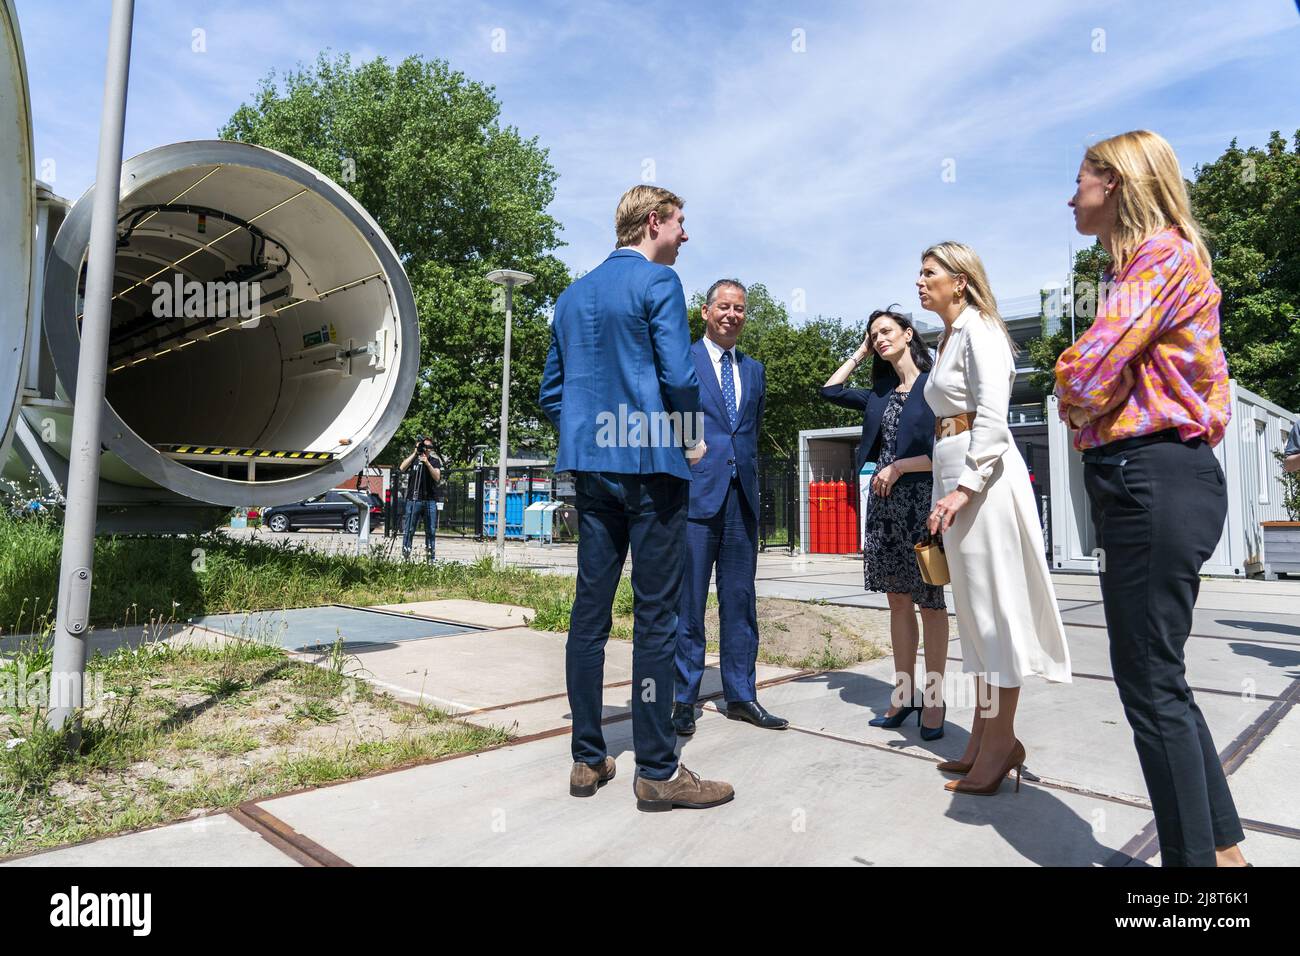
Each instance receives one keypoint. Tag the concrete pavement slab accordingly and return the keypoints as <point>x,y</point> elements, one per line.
<point>1264,786</point>
<point>1234,667</point>
<point>1258,625</point>
<point>306,628</point>
<point>478,613</point>
<point>799,591</point>
<point>479,669</point>
<point>539,716</point>
<point>802,800</point>
<point>216,840</point>
<point>1264,849</point>
<point>1075,734</point>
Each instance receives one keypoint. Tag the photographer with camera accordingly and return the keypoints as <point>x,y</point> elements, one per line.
<point>421,495</point>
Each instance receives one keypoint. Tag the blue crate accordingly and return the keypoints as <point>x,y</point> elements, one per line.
<point>517,499</point>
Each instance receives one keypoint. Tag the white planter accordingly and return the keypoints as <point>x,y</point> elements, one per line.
<point>1281,548</point>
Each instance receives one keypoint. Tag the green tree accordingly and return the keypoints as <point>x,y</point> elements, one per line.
<point>421,147</point>
<point>1248,205</point>
<point>798,358</point>
<point>1248,202</point>
<point>1079,311</point>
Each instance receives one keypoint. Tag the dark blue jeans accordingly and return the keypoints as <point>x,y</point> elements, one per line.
<point>417,511</point>
<point>728,540</point>
<point>647,513</point>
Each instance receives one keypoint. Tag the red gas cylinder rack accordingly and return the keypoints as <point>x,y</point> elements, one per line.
<point>852,541</point>
<point>815,517</point>
<point>840,502</point>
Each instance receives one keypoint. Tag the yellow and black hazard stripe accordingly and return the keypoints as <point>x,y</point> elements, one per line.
<point>225,451</point>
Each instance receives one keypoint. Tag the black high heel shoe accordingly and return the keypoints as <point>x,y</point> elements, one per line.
<point>933,733</point>
<point>896,721</point>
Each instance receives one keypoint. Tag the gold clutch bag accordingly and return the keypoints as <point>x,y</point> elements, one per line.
<point>932,561</point>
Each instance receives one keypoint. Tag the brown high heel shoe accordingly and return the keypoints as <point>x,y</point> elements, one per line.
<point>1016,762</point>
<point>955,766</point>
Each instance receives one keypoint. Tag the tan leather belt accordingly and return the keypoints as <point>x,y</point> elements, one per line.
<point>947,427</point>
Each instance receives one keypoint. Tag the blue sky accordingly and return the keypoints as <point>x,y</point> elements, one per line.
<point>810,141</point>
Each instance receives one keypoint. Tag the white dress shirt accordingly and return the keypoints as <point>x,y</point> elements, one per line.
<point>715,354</point>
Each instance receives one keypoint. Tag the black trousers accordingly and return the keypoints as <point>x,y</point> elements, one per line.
<point>1158,511</point>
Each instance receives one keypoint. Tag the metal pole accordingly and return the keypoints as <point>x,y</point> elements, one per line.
<point>1071,276</point>
<point>505,419</point>
<point>67,675</point>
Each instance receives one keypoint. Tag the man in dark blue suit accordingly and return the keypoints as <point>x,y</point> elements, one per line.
<point>722,525</point>
<point>620,386</point>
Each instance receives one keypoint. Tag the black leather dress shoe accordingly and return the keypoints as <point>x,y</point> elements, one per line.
<point>752,712</point>
<point>683,719</point>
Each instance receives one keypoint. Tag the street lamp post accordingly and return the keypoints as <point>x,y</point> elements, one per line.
<point>508,278</point>
<point>68,670</point>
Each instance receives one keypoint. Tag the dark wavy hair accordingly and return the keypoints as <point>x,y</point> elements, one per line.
<point>881,370</point>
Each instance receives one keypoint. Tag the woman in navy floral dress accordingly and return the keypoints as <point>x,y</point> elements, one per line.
<point>898,435</point>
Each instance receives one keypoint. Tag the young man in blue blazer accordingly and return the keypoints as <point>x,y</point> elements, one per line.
<point>620,386</point>
<point>722,522</point>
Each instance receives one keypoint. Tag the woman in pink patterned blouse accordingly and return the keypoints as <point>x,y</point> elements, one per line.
<point>1146,387</point>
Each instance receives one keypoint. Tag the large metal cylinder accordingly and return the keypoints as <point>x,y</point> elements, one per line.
<point>17,211</point>
<point>264,342</point>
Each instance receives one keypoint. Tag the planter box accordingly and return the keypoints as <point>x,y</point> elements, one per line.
<point>1281,553</point>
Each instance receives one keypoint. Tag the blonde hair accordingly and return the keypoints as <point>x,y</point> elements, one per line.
<point>637,203</point>
<point>956,258</point>
<point>1152,194</point>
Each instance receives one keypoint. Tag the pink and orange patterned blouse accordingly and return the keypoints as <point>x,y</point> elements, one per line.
<point>1160,319</point>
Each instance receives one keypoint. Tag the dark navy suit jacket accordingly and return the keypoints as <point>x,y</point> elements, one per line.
<point>711,475</point>
<point>619,371</point>
<point>915,425</point>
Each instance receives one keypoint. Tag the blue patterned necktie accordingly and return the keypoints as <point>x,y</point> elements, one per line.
<point>729,394</point>
<point>728,388</point>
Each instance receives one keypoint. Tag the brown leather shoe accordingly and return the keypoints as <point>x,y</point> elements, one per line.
<point>684,790</point>
<point>585,780</point>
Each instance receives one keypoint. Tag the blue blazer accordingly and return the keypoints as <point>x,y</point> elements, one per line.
<point>619,383</point>
<point>711,475</point>
<point>915,424</point>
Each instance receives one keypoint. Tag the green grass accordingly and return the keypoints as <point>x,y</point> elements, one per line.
<point>317,711</point>
<point>161,579</point>
<point>144,724</point>
<point>165,579</point>
<point>142,579</point>
<point>827,659</point>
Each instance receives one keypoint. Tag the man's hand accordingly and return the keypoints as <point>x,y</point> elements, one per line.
<point>693,455</point>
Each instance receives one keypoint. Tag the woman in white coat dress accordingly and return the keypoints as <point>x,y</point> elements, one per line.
<point>1007,617</point>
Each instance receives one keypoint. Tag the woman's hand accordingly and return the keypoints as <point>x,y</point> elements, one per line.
<point>849,366</point>
<point>883,480</point>
<point>948,506</point>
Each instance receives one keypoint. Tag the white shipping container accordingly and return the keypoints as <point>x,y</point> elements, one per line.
<point>1257,429</point>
